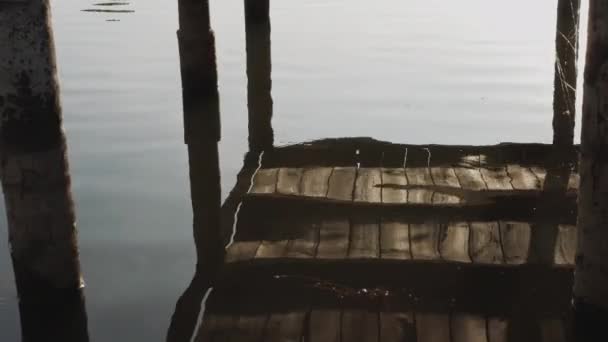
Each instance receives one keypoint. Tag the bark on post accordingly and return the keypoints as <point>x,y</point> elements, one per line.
<point>201,128</point>
<point>591,276</point>
<point>564,95</point>
<point>35,177</point>
<point>259,68</point>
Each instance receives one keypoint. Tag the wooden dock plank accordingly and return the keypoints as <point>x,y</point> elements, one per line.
<point>523,178</point>
<point>432,327</point>
<point>364,240</point>
<point>498,330</point>
<point>360,325</point>
<point>325,326</point>
<point>445,177</point>
<point>424,241</point>
<point>395,240</point>
<point>420,182</point>
<point>334,239</point>
<point>515,237</point>
<point>566,245</point>
<point>470,178</point>
<point>368,187</point>
<point>397,326</point>
<point>271,249</point>
<point>342,183</point>
<point>288,182</point>
<point>496,178</point>
<point>454,242</point>
<point>285,327</point>
<point>265,181</point>
<point>485,245</point>
<point>393,186</point>
<point>468,328</point>
<point>304,245</point>
<point>315,181</point>
<point>242,251</point>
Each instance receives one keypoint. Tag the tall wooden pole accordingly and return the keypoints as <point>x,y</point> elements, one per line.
<point>564,95</point>
<point>259,68</point>
<point>591,276</point>
<point>35,177</point>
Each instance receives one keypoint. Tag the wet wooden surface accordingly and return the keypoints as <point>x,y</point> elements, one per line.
<point>358,240</point>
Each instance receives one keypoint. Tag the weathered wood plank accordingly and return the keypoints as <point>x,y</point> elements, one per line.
<point>368,187</point>
<point>285,327</point>
<point>454,242</point>
<point>485,243</point>
<point>288,182</point>
<point>271,249</point>
<point>468,328</point>
<point>242,251</point>
<point>432,327</point>
<point>498,330</point>
<point>325,326</point>
<point>315,181</point>
<point>540,173</point>
<point>496,178</point>
<point>304,245</point>
<point>470,179</point>
<point>397,326</point>
<point>265,181</point>
<point>424,241</point>
<point>364,240</point>
<point>359,325</point>
<point>523,178</point>
<point>333,239</point>
<point>395,240</point>
<point>566,244</point>
<point>342,183</point>
<point>393,186</point>
<point>445,177</point>
<point>420,182</point>
<point>515,237</point>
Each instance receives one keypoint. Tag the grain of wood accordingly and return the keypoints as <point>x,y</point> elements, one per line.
<point>395,241</point>
<point>485,245</point>
<point>360,325</point>
<point>265,181</point>
<point>470,179</point>
<point>523,178</point>
<point>496,178</point>
<point>445,177</point>
<point>289,181</point>
<point>325,326</point>
<point>424,241</point>
<point>271,249</point>
<point>566,244</point>
<point>364,241</point>
<point>393,186</point>
<point>515,237</point>
<point>540,173</point>
<point>468,328</point>
<point>333,239</point>
<point>420,185</point>
<point>432,327</point>
<point>368,187</point>
<point>454,242</point>
<point>315,181</point>
<point>305,244</point>
<point>342,183</point>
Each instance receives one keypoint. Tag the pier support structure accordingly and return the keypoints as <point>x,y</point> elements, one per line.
<point>35,177</point>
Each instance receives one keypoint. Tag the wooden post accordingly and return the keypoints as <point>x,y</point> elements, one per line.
<point>35,177</point>
<point>259,68</point>
<point>591,276</point>
<point>564,95</point>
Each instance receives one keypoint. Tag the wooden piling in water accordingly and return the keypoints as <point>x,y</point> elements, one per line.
<point>259,69</point>
<point>591,276</point>
<point>35,178</point>
<point>566,56</point>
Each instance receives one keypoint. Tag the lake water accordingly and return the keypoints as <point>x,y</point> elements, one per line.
<point>432,71</point>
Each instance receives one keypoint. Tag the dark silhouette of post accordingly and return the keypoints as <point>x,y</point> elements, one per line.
<point>35,178</point>
<point>259,68</point>
<point>591,276</point>
<point>566,56</point>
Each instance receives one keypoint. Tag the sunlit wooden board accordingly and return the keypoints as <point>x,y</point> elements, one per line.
<point>393,186</point>
<point>289,181</point>
<point>315,181</point>
<point>485,243</point>
<point>342,183</point>
<point>454,242</point>
<point>368,187</point>
<point>565,246</point>
<point>470,178</point>
<point>394,240</point>
<point>304,244</point>
<point>523,178</point>
<point>496,178</point>
<point>334,239</point>
<point>515,237</point>
<point>424,239</point>
<point>242,251</point>
<point>364,241</point>
<point>420,185</point>
<point>265,181</point>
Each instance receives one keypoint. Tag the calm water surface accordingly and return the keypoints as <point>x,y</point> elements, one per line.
<point>433,71</point>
